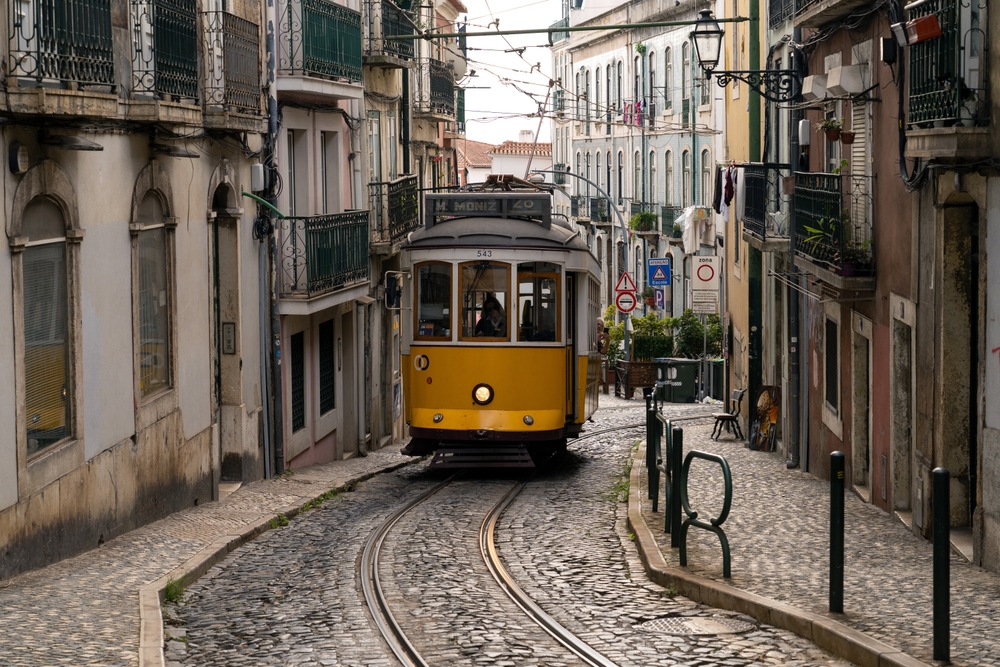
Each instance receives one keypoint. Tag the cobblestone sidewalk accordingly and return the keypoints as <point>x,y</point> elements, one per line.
<point>778,530</point>
<point>86,610</point>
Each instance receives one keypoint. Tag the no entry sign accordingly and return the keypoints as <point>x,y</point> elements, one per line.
<point>625,301</point>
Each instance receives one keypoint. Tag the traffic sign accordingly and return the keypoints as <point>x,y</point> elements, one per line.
<point>625,283</point>
<point>705,307</point>
<point>625,301</point>
<point>659,297</point>
<point>706,272</point>
<point>658,271</point>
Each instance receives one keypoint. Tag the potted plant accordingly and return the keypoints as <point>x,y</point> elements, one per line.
<point>821,233</point>
<point>643,222</point>
<point>677,231</point>
<point>847,136</point>
<point>649,295</point>
<point>968,112</point>
<point>855,255</point>
<point>831,127</point>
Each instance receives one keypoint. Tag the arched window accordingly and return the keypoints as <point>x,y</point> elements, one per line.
<point>706,177</point>
<point>576,92</point>
<point>608,167</point>
<point>637,78</point>
<point>586,95</point>
<point>597,94</point>
<point>668,79</point>
<point>597,172</point>
<point>652,177</point>
<point>668,178</point>
<point>618,93</point>
<point>637,180</point>
<point>651,96</point>
<point>578,171</point>
<point>587,175</point>
<point>686,178</point>
<point>607,88</point>
<point>686,71</point>
<point>621,176</point>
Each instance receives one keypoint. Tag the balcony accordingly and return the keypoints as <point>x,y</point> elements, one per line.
<point>435,91</point>
<point>559,102</point>
<point>948,109</point>
<point>833,229</point>
<point>319,51</point>
<point>559,178</point>
<point>579,207</point>
<point>323,253</point>
<point>668,215</point>
<point>164,62</point>
<point>233,73</point>
<point>460,110</point>
<point>397,212</point>
<point>384,18</point>
<point>61,58</point>
<point>759,228</point>
<point>779,11</point>
<point>599,211</point>
<point>556,34</point>
<point>816,13</point>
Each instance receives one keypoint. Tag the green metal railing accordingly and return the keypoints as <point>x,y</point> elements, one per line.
<point>438,96</point>
<point>67,41</point>
<point>667,216</point>
<point>320,38</point>
<point>323,252</point>
<point>460,109</point>
<point>165,48</point>
<point>938,92</point>
<point>557,34</point>
<point>833,222</point>
<point>755,209</point>
<point>383,18</point>
<point>232,63</point>
<point>559,178</point>
<point>396,207</point>
<point>559,100</point>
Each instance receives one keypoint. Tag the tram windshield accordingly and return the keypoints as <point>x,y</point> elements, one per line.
<point>538,301</point>
<point>434,301</point>
<point>485,290</point>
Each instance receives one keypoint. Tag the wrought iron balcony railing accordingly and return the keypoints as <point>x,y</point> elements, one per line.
<point>557,34</point>
<point>755,209</point>
<point>939,93</point>
<point>599,210</point>
<point>559,178</point>
<point>322,253</point>
<point>61,41</point>
<point>319,38</point>
<point>396,205</point>
<point>780,11</point>
<point>833,224</point>
<point>232,63</point>
<point>165,48</point>
<point>668,217</point>
<point>579,206</point>
<point>644,223</point>
<point>436,88</point>
<point>460,110</point>
<point>559,101</point>
<point>384,18</point>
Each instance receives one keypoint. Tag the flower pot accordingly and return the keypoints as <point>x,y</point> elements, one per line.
<point>832,133</point>
<point>968,113</point>
<point>846,137</point>
<point>848,269</point>
<point>650,300</point>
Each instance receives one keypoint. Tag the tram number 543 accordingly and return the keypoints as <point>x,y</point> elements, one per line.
<point>484,253</point>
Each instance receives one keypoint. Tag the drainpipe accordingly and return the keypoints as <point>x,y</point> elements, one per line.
<point>794,333</point>
<point>271,335</point>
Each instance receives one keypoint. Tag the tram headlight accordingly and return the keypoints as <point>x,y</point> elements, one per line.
<point>528,420</point>
<point>482,394</point>
<point>438,417</point>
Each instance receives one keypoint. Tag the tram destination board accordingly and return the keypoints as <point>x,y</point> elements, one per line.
<point>533,206</point>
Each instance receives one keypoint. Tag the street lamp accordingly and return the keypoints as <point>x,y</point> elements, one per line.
<point>776,85</point>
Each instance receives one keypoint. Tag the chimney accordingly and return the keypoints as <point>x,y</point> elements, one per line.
<point>526,137</point>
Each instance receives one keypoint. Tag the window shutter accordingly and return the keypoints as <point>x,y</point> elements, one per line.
<point>298,381</point>
<point>832,366</point>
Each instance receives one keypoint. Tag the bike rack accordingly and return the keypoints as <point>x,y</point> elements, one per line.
<point>713,525</point>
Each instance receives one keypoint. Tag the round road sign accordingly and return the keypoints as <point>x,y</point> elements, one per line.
<point>705,273</point>
<point>625,301</point>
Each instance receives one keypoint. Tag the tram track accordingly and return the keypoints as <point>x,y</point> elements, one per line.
<point>394,635</point>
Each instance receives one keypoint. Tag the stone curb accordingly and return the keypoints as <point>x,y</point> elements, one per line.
<point>838,638</point>
<point>151,596</point>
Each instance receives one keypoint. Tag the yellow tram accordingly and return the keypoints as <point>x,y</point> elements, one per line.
<point>500,301</point>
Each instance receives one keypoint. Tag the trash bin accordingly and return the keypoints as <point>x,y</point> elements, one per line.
<point>677,380</point>
<point>718,379</point>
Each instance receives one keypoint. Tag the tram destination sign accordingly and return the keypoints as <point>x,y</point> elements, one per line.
<point>534,206</point>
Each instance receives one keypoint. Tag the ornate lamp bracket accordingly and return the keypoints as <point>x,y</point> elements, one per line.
<point>776,85</point>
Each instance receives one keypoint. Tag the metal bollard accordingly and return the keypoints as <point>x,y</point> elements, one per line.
<point>676,463</point>
<point>651,471</point>
<point>837,532</point>
<point>942,564</point>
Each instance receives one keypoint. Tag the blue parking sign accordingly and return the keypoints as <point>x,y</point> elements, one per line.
<point>658,271</point>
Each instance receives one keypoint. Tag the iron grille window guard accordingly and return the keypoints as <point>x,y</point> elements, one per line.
<point>779,11</point>
<point>232,63</point>
<point>64,41</point>
<point>833,221</point>
<point>385,18</point>
<point>323,252</point>
<point>165,48</point>
<point>396,208</point>
<point>436,92</point>
<point>320,38</point>
<point>755,208</point>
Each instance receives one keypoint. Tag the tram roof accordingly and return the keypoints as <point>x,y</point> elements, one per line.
<point>496,232</point>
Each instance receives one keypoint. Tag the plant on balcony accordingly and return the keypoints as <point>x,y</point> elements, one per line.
<point>854,255</point>
<point>820,234</point>
<point>677,231</point>
<point>969,110</point>
<point>831,127</point>
<point>643,222</point>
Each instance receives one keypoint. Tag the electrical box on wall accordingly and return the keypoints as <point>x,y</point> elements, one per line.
<point>804,132</point>
<point>257,177</point>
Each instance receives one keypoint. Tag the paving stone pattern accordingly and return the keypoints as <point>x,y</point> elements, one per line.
<point>778,531</point>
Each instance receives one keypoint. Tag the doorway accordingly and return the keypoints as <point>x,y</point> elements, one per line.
<point>895,476</point>
<point>346,362</point>
<point>861,381</point>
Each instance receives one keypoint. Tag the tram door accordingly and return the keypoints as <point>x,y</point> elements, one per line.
<point>571,369</point>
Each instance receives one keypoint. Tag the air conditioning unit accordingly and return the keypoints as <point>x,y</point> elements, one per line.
<point>845,80</point>
<point>814,87</point>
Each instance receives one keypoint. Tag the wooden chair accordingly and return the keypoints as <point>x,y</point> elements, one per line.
<point>731,419</point>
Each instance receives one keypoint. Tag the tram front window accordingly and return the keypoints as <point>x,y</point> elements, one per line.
<point>434,301</point>
<point>538,301</point>
<point>485,290</point>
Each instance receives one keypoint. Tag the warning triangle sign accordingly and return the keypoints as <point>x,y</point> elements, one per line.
<point>625,283</point>
<point>659,274</point>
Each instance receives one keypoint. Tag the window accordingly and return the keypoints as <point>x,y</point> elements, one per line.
<point>576,93</point>
<point>618,94</point>
<point>668,82</point>
<point>686,178</point>
<point>587,185</point>
<point>579,164</point>
<point>297,352</point>
<point>485,290</point>
<point>47,377</point>
<point>621,175</point>
<point>706,94</point>
<point>433,310</point>
<point>831,392</point>
<point>651,98</point>
<point>327,367</point>
<point>637,179</point>
<point>597,173</point>
<point>586,98</point>
<point>608,183</point>
<point>652,176</point>
<point>686,70</point>
<point>153,300</point>
<point>706,177</point>
<point>390,118</point>
<point>636,78</point>
<point>298,169</point>
<point>538,301</point>
<point>668,178</point>
<point>374,147</point>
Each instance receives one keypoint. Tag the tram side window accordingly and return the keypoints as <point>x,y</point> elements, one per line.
<point>434,301</point>
<point>538,301</point>
<point>485,290</point>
